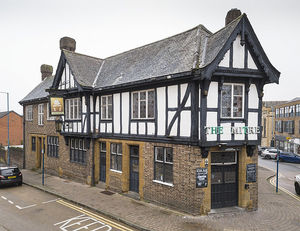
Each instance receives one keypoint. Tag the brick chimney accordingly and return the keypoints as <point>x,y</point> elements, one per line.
<point>46,71</point>
<point>67,43</point>
<point>232,15</point>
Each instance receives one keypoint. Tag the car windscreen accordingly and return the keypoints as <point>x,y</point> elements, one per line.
<point>9,172</point>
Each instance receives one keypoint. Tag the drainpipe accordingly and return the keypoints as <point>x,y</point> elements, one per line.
<point>93,163</point>
<point>24,141</point>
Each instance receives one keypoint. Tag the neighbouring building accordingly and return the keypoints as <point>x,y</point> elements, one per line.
<point>268,123</point>
<point>15,128</point>
<point>176,122</point>
<point>287,126</point>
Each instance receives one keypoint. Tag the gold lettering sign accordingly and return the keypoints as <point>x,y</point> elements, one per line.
<point>57,106</point>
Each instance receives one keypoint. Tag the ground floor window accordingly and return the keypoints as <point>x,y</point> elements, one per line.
<point>52,146</point>
<point>77,151</point>
<point>163,164</point>
<point>116,156</point>
<point>33,143</point>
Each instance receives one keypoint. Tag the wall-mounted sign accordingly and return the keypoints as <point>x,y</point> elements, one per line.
<point>201,177</point>
<point>56,106</point>
<point>251,173</point>
<point>233,130</point>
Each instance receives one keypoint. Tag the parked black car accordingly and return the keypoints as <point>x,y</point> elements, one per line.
<point>10,175</point>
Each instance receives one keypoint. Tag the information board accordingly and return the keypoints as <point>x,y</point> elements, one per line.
<point>251,173</point>
<point>201,177</point>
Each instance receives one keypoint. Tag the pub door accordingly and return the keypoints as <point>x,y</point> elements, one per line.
<point>224,184</point>
<point>134,169</point>
<point>102,171</point>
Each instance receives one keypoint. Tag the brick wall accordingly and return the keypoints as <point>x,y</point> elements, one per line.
<point>15,129</point>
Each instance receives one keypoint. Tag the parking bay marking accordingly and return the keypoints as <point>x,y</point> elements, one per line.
<point>273,182</point>
<point>93,215</point>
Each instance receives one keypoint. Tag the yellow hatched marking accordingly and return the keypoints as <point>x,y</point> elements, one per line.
<point>109,222</point>
<point>273,182</point>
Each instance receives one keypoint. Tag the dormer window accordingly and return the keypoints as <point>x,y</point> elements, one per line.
<point>232,101</point>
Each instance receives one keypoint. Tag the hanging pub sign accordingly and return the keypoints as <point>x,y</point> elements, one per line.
<point>57,106</point>
<point>251,173</point>
<point>201,177</point>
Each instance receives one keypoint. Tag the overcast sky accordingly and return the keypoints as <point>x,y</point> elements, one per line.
<point>30,31</point>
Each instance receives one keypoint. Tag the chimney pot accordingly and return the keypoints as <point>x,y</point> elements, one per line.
<point>46,71</point>
<point>232,15</point>
<point>67,43</point>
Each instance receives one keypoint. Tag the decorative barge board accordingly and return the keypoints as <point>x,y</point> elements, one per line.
<point>168,118</point>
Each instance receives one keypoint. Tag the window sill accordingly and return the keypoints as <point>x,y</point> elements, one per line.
<point>163,183</point>
<point>117,171</point>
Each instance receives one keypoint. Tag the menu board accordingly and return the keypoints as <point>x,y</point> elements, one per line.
<point>251,173</point>
<point>201,177</point>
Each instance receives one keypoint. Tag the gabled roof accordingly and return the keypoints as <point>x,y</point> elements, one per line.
<point>39,92</point>
<point>4,113</point>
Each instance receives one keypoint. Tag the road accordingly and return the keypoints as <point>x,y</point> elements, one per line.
<point>26,208</point>
<point>287,171</point>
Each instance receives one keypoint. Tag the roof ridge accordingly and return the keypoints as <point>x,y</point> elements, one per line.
<point>72,52</point>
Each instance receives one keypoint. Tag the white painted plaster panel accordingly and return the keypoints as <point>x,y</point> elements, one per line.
<point>242,135</point>
<point>199,125</point>
<point>226,131</point>
<point>251,63</point>
<point>79,127</point>
<point>211,121</point>
<point>161,111</point>
<point>212,97</point>
<point>102,127</point>
<point>151,129</point>
<point>238,53</point>
<point>225,60</point>
<point>74,128</point>
<point>97,122</point>
<point>253,97</point>
<point>252,122</point>
<point>92,126</point>
<point>109,127</point>
<point>116,115</point>
<point>172,96</point>
<point>133,128</point>
<point>85,128</point>
<point>67,68</point>
<point>91,103</point>
<point>183,88</point>
<point>174,129</point>
<point>185,123</point>
<point>83,106</point>
<point>125,112</point>
<point>142,128</point>
<point>97,104</point>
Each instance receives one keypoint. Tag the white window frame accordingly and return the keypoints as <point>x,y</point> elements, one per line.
<point>106,107</point>
<point>41,114</point>
<point>48,113</point>
<point>71,113</point>
<point>29,114</point>
<point>164,162</point>
<point>139,104</point>
<point>232,95</point>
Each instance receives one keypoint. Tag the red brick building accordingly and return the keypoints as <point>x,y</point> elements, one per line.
<point>15,128</point>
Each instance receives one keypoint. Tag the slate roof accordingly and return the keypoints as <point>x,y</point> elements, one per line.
<point>4,113</point>
<point>39,92</point>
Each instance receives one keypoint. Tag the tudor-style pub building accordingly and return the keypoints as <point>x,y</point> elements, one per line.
<point>176,122</point>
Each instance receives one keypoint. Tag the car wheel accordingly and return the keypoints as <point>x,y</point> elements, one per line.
<point>297,188</point>
<point>268,157</point>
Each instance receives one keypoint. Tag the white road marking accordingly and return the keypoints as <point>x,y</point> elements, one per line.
<point>11,202</point>
<point>46,202</point>
<point>18,207</point>
<point>273,182</point>
<point>4,198</point>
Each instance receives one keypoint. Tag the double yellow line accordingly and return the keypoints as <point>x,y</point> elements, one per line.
<point>93,215</point>
<point>273,182</point>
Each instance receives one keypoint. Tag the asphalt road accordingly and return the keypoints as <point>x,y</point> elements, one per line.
<point>287,171</point>
<point>25,208</point>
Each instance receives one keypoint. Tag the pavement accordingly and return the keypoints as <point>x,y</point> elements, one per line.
<point>277,211</point>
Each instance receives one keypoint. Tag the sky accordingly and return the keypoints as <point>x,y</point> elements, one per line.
<point>30,31</point>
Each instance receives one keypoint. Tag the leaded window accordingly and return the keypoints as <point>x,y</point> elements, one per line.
<point>232,100</point>
<point>73,109</point>
<point>106,107</point>
<point>116,156</point>
<point>52,146</point>
<point>163,164</point>
<point>77,151</point>
<point>143,103</point>
<point>33,143</point>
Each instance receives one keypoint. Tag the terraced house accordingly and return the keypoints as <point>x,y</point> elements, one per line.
<point>176,122</point>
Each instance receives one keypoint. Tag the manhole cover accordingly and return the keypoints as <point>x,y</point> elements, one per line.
<point>107,193</point>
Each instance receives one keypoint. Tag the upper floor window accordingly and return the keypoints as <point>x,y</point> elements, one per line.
<point>48,113</point>
<point>281,110</point>
<point>106,107</point>
<point>28,111</point>
<point>287,110</point>
<point>292,111</point>
<point>143,104</point>
<point>232,101</point>
<point>73,109</point>
<point>277,113</point>
<point>41,114</point>
<point>163,164</point>
<point>298,110</point>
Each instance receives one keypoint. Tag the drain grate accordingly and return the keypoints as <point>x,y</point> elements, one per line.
<point>107,193</point>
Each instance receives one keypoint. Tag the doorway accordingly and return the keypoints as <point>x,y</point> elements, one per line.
<point>134,169</point>
<point>40,151</point>
<point>102,171</point>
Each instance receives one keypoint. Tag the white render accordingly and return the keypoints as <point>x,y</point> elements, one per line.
<point>225,60</point>
<point>238,53</point>
<point>173,96</point>
<point>212,118</point>
<point>161,111</point>
<point>240,136</point>
<point>185,123</point>
<point>183,88</point>
<point>212,97</point>
<point>226,136</point>
<point>252,122</point>
<point>125,112</point>
<point>116,112</point>
<point>253,97</point>
<point>251,63</point>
